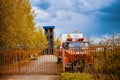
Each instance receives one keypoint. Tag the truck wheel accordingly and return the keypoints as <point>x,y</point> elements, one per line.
<point>79,65</point>
<point>68,67</point>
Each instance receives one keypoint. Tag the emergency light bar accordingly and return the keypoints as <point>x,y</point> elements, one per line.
<point>79,39</point>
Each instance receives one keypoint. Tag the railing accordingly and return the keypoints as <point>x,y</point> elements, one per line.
<point>101,61</point>
<point>12,60</point>
<point>31,61</point>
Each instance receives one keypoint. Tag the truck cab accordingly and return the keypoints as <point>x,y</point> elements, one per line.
<point>76,55</point>
<point>74,52</point>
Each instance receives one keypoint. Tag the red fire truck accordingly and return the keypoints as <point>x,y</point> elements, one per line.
<point>74,53</point>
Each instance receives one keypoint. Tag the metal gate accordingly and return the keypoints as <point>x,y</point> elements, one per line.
<point>28,62</point>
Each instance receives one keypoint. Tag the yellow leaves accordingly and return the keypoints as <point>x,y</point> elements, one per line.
<point>57,42</point>
<point>107,62</point>
<point>39,39</point>
<point>17,24</point>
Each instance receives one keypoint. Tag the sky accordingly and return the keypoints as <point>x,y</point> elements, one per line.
<point>92,17</point>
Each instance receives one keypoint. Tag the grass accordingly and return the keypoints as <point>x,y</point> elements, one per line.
<point>76,76</point>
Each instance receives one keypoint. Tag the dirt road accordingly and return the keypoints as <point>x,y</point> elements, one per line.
<point>31,77</point>
<point>35,70</point>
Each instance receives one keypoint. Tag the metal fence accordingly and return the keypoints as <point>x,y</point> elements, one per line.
<point>100,61</point>
<point>30,61</point>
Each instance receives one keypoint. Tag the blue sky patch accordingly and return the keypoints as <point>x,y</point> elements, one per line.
<point>44,5</point>
<point>88,16</point>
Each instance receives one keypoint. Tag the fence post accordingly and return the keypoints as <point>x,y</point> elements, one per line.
<point>18,56</point>
<point>63,61</point>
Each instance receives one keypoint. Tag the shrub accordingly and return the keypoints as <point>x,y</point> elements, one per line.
<point>107,64</point>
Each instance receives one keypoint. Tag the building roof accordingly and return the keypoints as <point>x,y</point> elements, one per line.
<point>48,27</point>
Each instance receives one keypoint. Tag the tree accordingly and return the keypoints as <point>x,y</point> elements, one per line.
<point>16,23</point>
<point>39,39</point>
<point>57,42</point>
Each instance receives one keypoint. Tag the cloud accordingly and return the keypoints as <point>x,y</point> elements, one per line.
<point>41,14</point>
<point>88,16</point>
<point>89,6</point>
<point>97,39</point>
<point>110,13</point>
<point>62,15</point>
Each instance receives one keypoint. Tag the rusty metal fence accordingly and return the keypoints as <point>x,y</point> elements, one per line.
<point>31,61</point>
<point>101,61</point>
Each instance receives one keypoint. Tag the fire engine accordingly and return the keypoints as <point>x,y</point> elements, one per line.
<point>74,52</point>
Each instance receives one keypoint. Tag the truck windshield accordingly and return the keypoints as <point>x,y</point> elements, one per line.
<point>76,44</point>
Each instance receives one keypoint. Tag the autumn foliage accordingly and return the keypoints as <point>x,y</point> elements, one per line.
<point>18,31</point>
<point>17,26</point>
<point>107,63</point>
